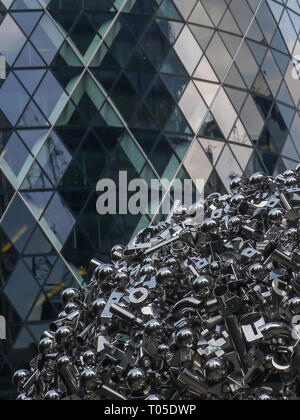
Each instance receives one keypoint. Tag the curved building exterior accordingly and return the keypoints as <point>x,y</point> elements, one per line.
<point>158,88</point>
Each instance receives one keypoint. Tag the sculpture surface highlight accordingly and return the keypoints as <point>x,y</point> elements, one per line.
<point>193,308</point>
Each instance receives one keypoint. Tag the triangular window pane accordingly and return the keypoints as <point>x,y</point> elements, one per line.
<point>185,7</point>
<point>228,24</point>
<point>18,229</point>
<point>289,149</point>
<point>37,201</point>
<point>242,154</point>
<point>202,35</point>
<point>168,11</point>
<point>26,4</point>
<point>258,51</point>
<point>210,128</point>
<point>29,58</point>
<point>30,78</point>
<point>215,9</point>
<point>32,117</point>
<point>260,86</point>
<point>27,20</point>
<point>212,149</point>
<point>36,179</point>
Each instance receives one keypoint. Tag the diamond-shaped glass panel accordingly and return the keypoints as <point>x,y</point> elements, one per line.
<point>12,39</point>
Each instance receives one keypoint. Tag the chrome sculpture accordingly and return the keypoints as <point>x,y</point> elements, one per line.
<point>190,309</point>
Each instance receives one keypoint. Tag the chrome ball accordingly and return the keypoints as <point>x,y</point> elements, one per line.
<point>215,371</point>
<point>69,295</point>
<point>97,306</point>
<point>116,252</point>
<point>289,173</point>
<point>136,380</point>
<point>257,272</point>
<point>276,215</point>
<point>20,377</point>
<point>185,338</point>
<point>215,268</point>
<point>164,276</point>
<point>45,346</point>
<point>162,350</point>
<point>264,396</point>
<point>62,315</point>
<point>202,286</point>
<point>89,380</point>
<point>121,277</point>
<point>213,198</point>
<point>62,335</point>
<point>234,223</point>
<point>236,182</point>
<point>209,226</point>
<point>104,271</point>
<point>237,200</point>
<point>71,307</point>
<point>63,362</point>
<point>172,263</point>
<point>23,397</point>
<point>147,270</point>
<point>153,397</point>
<point>291,181</point>
<point>257,179</point>
<point>153,328</point>
<point>52,395</point>
<point>89,358</point>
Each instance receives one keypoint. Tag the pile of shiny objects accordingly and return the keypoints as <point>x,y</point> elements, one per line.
<point>202,306</point>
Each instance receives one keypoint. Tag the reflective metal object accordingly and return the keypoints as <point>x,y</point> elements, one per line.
<point>191,308</point>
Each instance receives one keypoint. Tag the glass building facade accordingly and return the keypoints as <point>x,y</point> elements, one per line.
<point>158,88</point>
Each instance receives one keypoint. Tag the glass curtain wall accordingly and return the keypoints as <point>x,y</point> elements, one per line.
<point>158,88</point>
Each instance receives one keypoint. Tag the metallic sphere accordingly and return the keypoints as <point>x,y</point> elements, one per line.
<point>63,334</point>
<point>234,223</point>
<point>237,200</point>
<point>276,215</point>
<point>257,271</point>
<point>89,380</point>
<point>97,306</point>
<point>202,286</point>
<point>236,183</point>
<point>257,179</point>
<point>164,276</point>
<point>71,307</point>
<point>45,346</point>
<point>148,270</point>
<point>20,377</point>
<point>215,371</point>
<point>153,328</point>
<point>185,338</point>
<point>52,395</point>
<point>116,252</point>
<point>209,226</point>
<point>69,295</point>
<point>89,358</point>
<point>63,362</point>
<point>136,380</point>
<point>153,397</point>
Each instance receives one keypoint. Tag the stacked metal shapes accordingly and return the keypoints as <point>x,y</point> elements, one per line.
<point>193,308</point>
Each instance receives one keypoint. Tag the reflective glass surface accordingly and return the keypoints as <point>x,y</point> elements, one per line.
<point>160,88</point>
